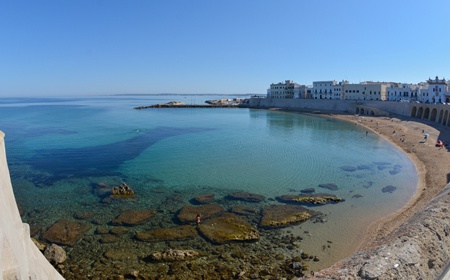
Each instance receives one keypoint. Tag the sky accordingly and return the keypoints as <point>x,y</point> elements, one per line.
<point>95,47</point>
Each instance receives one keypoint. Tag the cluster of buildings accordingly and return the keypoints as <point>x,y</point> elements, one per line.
<point>432,91</point>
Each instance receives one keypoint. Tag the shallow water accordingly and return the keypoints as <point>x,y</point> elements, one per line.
<point>59,148</point>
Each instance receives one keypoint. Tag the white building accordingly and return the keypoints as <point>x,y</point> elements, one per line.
<point>437,91</point>
<point>327,90</point>
<point>401,92</point>
<point>288,90</point>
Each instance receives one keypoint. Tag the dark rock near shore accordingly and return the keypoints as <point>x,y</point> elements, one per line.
<point>317,199</point>
<point>329,186</point>
<point>168,234</point>
<point>245,196</point>
<point>188,214</point>
<point>122,191</point>
<point>133,217</point>
<point>276,216</point>
<point>228,228</point>
<point>55,254</point>
<point>65,232</point>
<point>389,189</point>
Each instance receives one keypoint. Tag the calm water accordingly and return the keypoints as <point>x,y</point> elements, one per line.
<point>58,148</point>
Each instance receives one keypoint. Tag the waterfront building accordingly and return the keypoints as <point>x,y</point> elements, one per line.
<point>402,92</point>
<point>437,91</point>
<point>287,90</point>
<point>365,91</point>
<point>327,90</point>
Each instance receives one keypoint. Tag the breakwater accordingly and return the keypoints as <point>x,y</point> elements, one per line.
<point>186,106</point>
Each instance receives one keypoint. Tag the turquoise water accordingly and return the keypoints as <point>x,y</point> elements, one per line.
<point>58,148</point>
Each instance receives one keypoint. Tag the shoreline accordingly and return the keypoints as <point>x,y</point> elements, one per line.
<point>432,170</point>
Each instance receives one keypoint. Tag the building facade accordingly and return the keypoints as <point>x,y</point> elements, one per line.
<point>402,92</point>
<point>287,90</point>
<point>375,91</point>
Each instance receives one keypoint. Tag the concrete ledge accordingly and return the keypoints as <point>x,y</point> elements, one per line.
<point>19,257</point>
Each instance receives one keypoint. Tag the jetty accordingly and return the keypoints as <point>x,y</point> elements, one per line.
<point>186,106</point>
<point>221,103</point>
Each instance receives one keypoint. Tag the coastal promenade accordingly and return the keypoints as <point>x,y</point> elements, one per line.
<point>413,243</point>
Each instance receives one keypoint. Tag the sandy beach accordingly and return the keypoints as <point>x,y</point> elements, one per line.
<point>432,163</point>
<point>416,221</point>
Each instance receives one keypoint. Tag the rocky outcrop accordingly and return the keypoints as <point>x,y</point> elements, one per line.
<point>122,191</point>
<point>55,254</point>
<point>245,196</point>
<point>173,255</point>
<point>167,234</point>
<point>317,199</point>
<point>188,214</point>
<point>275,216</point>
<point>133,217</point>
<point>228,228</point>
<point>65,232</point>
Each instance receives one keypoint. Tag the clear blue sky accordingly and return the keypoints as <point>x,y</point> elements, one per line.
<point>84,47</point>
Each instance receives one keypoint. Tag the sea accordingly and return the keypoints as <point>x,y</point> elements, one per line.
<point>60,148</point>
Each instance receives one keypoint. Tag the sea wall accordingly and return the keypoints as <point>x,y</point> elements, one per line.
<point>303,104</point>
<point>19,256</point>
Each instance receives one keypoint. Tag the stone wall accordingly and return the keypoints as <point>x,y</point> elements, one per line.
<point>19,257</point>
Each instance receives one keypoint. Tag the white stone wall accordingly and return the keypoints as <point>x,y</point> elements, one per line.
<point>19,257</point>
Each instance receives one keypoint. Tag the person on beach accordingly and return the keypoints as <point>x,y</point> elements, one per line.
<point>198,218</point>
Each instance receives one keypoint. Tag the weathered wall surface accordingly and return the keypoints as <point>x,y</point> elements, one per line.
<point>19,257</point>
<point>302,104</point>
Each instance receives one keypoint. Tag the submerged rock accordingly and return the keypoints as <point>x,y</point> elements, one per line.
<point>109,238</point>
<point>389,189</point>
<point>173,255</point>
<point>168,234</point>
<point>133,217</point>
<point>243,211</point>
<point>276,216</point>
<point>86,215</point>
<point>205,199</point>
<point>330,186</point>
<point>118,231</point>
<point>319,198</point>
<point>245,196</point>
<point>65,232</point>
<point>228,228</point>
<point>349,168</point>
<point>308,190</point>
<point>188,214</point>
